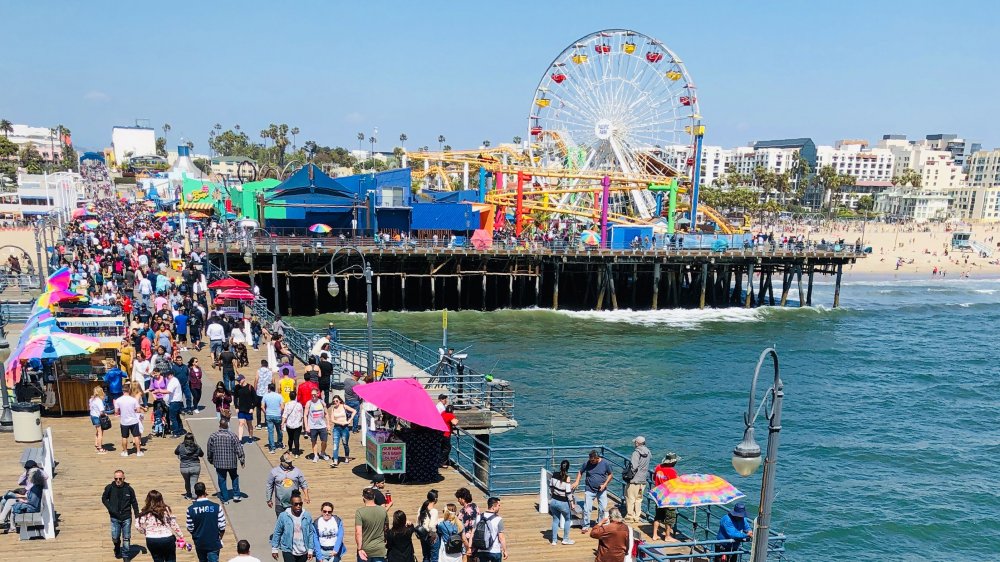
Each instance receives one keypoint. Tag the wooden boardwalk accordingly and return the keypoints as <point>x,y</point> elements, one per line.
<point>81,475</point>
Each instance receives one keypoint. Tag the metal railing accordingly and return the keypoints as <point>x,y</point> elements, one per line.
<point>500,471</point>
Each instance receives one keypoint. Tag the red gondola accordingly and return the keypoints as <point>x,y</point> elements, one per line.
<point>558,78</point>
<point>654,56</point>
<point>536,131</point>
<point>690,161</point>
<point>688,100</point>
<point>602,49</point>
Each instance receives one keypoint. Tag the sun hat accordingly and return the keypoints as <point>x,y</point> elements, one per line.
<point>739,510</point>
<point>670,458</point>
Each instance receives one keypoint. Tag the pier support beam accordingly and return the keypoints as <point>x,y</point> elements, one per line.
<point>786,285</point>
<point>656,285</point>
<point>402,292</point>
<point>611,288</point>
<point>836,289</point>
<point>809,294</point>
<point>315,294</point>
<point>749,298</point>
<point>459,287</point>
<point>288,291</point>
<point>555,287</point>
<point>704,281</point>
<point>484,290</point>
<point>378,291</point>
<point>802,295</point>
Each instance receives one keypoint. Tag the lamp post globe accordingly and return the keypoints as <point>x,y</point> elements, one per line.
<point>333,288</point>
<point>746,455</point>
<point>247,258</point>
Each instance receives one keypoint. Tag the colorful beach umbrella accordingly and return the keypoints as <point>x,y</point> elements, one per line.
<point>320,228</point>
<point>590,238</point>
<point>60,279</point>
<point>237,294</point>
<point>197,215</point>
<point>90,224</point>
<point>79,213</point>
<point>161,214</point>
<point>50,298</point>
<point>54,345</point>
<point>228,283</point>
<point>693,490</point>
<point>406,399</point>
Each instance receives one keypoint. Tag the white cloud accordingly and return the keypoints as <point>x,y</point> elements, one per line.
<point>96,95</point>
<point>354,118</point>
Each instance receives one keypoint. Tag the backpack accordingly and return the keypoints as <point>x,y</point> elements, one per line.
<point>628,471</point>
<point>454,543</point>
<point>481,536</point>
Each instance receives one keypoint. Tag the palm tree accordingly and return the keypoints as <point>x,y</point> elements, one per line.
<point>190,145</point>
<point>294,131</point>
<point>361,140</point>
<point>217,127</point>
<point>402,140</point>
<point>486,143</point>
<point>166,129</point>
<point>517,140</point>
<point>236,126</point>
<point>6,127</point>
<point>441,142</point>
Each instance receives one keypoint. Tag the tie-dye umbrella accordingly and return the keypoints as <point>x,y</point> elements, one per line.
<point>50,298</point>
<point>55,344</point>
<point>60,279</point>
<point>693,490</point>
<point>90,224</point>
<point>590,238</point>
<point>320,228</point>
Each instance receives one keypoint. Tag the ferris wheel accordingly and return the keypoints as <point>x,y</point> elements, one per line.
<point>614,101</point>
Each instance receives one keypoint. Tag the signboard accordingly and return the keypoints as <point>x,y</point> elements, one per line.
<point>392,459</point>
<point>371,452</point>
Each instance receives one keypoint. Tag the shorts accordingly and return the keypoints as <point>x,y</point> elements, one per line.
<point>132,430</point>
<point>96,420</point>
<point>321,433</point>
<point>666,516</point>
<point>248,416</point>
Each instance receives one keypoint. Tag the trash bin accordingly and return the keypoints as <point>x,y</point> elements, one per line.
<point>27,421</point>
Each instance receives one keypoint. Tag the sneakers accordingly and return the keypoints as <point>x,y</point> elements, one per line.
<point>568,541</point>
<point>139,454</point>
<point>124,453</point>
<point>238,499</point>
<point>315,458</point>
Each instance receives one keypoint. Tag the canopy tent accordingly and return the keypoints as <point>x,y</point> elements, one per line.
<point>228,283</point>
<point>237,294</point>
<point>404,398</point>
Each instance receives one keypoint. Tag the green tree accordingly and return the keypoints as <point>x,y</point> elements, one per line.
<point>865,203</point>
<point>402,140</point>
<point>30,158</point>
<point>166,129</point>
<point>909,176</point>
<point>7,148</point>
<point>294,131</point>
<point>517,140</point>
<point>6,127</point>
<point>204,165</point>
<point>161,146</point>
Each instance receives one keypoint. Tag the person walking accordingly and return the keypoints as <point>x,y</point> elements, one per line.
<point>243,553</point>
<point>223,400</point>
<point>370,522</point>
<point>352,399</point>
<point>447,549</point>
<point>282,481</point>
<point>245,399</point>
<point>273,406</point>
<point>158,523</point>
<point>195,375</point>
<point>612,536</point>
<point>467,516</point>
<point>598,476</point>
<point>329,534</point>
<point>636,476</point>
<point>224,450</point>
<point>293,535</point>
<point>182,373</point>
<point>340,420</point>
<point>97,410</point>
<point>489,542</point>
<point>120,501</point>
<point>315,413</point>
<point>561,503</point>
<point>261,382</point>
<point>129,413</point>
<point>292,417</point>
<point>325,375</point>
<point>189,454</point>
<point>175,397</point>
<point>206,521</point>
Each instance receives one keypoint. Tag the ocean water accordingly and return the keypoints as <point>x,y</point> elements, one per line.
<point>889,440</point>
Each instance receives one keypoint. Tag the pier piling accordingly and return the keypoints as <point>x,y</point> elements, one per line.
<point>704,282</point>
<point>656,285</point>
<point>836,290</point>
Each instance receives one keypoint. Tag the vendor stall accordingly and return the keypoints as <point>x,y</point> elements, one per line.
<point>402,429</point>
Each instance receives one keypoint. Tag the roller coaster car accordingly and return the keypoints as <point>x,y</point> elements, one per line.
<point>688,100</point>
<point>558,77</point>
<point>602,49</point>
<point>654,56</point>
<point>629,48</point>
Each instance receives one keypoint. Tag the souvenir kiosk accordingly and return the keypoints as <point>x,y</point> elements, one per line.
<point>384,452</point>
<point>76,375</point>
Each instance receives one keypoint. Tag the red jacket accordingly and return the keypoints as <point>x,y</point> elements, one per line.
<point>304,393</point>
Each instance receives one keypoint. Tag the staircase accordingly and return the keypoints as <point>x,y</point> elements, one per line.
<point>981,249</point>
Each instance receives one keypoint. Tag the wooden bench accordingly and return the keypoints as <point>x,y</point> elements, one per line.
<point>30,525</point>
<point>41,524</point>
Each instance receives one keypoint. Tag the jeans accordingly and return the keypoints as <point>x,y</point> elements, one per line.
<point>195,398</point>
<point>255,338</point>
<point>175,418</point>
<point>188,397</point>
<point>588,504</point>
<point>207,555</point>
<point>557,509</point>
<point>489,556</point>
<point>227,379</point>
<point>215,346</point>
<point>357,415</point>
<point>224,493</point>
<point>190,476</point>
<point>370,559</point>
<point>273,427</point>
<point>289,557</point>
<point>121,533</point>
<point>341,432</point>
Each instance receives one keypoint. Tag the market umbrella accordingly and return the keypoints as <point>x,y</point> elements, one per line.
<point>482,239</point>
<point>79,213</point>
<point>590,238</point>
<point>54,296</point>
<point>319,228</point>
<point>237,294</point>
<point>197,215</point>
<point>693,490</point>
<point>90,224</point>
<point>404,398</point>
<point>161,214</point>
<point>228,283</point>
<point>59,279</point>
<point>55,344</point>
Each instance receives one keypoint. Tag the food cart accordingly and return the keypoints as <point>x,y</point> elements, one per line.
<point>76,375</point>
<point>384,454</point>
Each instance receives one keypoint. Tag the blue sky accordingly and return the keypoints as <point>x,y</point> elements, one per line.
<point>467,70</point>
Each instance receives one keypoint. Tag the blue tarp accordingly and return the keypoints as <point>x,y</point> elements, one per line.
<point>623,235</point>
<point>92,156</point>
<point>444,216</point>
<point>466,196</point>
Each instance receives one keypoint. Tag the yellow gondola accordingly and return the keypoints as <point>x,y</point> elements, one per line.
<point>579,59</point>
<point>543,102</point>
<point>674,75</point>
<point>629,48</point>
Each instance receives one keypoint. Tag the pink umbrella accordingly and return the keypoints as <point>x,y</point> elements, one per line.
<point>237,294</point>
<point>404,398</point>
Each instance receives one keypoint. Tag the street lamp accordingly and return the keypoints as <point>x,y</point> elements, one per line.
<point>334,289</point>
<point>6,420</point>
<point>746,455</point>
<point>248,259</point>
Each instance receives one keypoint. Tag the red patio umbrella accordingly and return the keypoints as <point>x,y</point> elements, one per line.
<point>229,283</point>
<point>237,294</point>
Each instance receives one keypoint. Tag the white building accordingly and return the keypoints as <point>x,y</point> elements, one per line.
<point>43,138</point>
<point>913,203</point>
<point>132,141</point>
<point>982,193</point>
<point>39,194</point>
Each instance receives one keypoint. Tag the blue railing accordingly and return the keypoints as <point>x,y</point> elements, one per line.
<point>500,471</point>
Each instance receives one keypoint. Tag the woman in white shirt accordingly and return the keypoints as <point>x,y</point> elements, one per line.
<point>160,527</point>
<point>96,410</point>
<point>291,418</point>
<point>142,372</point>
<point>330,532</point>
<point>427,521</point>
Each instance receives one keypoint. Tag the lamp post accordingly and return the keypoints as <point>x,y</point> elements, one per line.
<point>248,258</point>
<point>334,289</point>
<point>6,420</point>
<point>746,455</point>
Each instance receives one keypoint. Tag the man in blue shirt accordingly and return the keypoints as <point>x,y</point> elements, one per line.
<point>598,476</point>
<point>113,377</point>
<point>206,521</point>
<point>183,376</point>
<point>734,526</point>
<point>181,326</point>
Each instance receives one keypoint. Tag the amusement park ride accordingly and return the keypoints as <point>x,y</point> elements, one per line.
<point>613,129</point>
